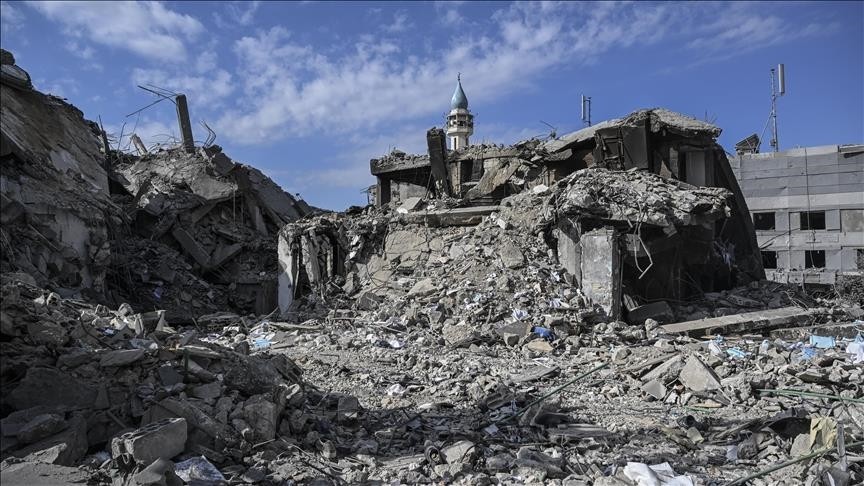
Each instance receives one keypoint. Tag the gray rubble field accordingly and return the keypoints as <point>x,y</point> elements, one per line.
<point>574,316</point>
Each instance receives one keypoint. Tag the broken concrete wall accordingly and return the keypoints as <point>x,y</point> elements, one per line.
<point>569,250</point>
<point>36,126</point>
<point>600,267</point>
<point>312,254</point>
<point>675,146</point>
<point>54,190</point>
<point>222,215</point>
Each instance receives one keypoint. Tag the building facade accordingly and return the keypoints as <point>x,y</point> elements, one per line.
<point>807,206</point>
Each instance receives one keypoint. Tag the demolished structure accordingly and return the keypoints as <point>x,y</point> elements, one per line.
<point>650,197</point>
<point>521,315</point>
<point>168,229</point>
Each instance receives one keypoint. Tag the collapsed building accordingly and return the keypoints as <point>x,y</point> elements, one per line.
<point>168,228</point>
<point>651,198</point>
<point>466,333</point>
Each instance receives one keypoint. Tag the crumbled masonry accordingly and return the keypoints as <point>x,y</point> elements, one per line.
<point>585,310</point>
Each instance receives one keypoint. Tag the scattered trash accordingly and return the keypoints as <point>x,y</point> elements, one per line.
<point>657,475</point>
<point>544,333</point>
<point>856,349</point>
<point>197,469</point>
<point>822,342</point>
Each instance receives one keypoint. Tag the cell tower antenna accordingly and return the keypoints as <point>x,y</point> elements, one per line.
<point>778,88</point>
<point>586,110</point>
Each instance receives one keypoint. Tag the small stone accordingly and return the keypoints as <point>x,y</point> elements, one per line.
<point>263,416</point>
<point>458,333</point>
<point>461,451</point>
<point>163,439</point>
<point>209,391</point>
<point>655,388</point>
<point>121,357</point>
<point>697,376</point>
<point>169,376</point>
<point>422,288</point>
<point>254,475</point>
<point>511,255</point>
<point>160,472</point>
<point>620,354</point>
<point>695,436</point>
<point>539,346</point>
<point>47,333</point>
<point>41,427</point>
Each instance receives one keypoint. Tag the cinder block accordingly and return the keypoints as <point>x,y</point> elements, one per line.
<point>163,439</point>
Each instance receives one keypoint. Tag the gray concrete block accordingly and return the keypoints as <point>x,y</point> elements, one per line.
<point>159,440</point>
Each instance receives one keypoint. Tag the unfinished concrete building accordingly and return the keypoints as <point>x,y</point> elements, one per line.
<point>808,210</point>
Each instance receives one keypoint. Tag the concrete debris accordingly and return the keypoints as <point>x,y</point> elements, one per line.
<point>698,377</point>
<point>169,229</point>
<point>164,439</point>
<point>589,309</point>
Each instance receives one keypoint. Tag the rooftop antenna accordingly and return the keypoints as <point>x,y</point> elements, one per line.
<point>778,88</point>
<point>586,110</point>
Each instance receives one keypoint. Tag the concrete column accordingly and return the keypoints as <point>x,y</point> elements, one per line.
<point>185,123</point>
<point>437,146</point>
<point>601,275</point>
<point>288,269</point>
<point>832,219</point>
<point>382,195</point>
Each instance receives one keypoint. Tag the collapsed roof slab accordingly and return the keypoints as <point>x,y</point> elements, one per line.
<point>449,217</point>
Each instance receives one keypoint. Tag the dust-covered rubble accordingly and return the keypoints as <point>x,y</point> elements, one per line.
<point>173,317</point>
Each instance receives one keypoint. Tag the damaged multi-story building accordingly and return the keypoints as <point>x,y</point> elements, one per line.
<point>808,210</point>
<point>639,210</point>
<point>181,227</point>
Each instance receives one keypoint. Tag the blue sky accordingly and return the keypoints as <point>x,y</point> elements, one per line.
<point>309,92</point>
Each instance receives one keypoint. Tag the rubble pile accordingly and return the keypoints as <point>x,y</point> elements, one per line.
<point>639,197</point>
<point>117,391</point>
<point>588,310</point>
<point>56,215</point>
<point>215,212</point>
<point>188,233</point>
<point>485,409</point>
<point>468,339</point>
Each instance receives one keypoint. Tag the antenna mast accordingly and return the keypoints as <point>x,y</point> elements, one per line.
<point>586,110</point>
<point>778,88</point>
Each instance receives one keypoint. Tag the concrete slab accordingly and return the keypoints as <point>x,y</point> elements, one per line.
<point>470,216</point>
<point>750,321</point>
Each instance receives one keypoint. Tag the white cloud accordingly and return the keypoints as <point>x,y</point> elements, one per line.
<point>737,28</point>
<point>400,23</point>
<point>243,12</point>
<point>79,50</point>
<point>11,17</point>
<point>290,88</point>
<point>209,88</point>
<point>293,89</point>
<point>350,167</point>
<point>449,13</point>
<point>149,29</point>
<point>236,15</point>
